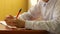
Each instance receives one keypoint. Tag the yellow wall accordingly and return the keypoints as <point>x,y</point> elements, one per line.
<point>29,4</point>
<point>12,7</point>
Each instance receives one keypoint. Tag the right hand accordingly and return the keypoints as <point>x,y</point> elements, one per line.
<point>10,20</point>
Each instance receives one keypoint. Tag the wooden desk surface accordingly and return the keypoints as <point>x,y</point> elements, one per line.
<point>23,32</point>
<point>5,30</point>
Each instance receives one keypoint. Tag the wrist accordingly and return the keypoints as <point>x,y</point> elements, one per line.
<point>20,23</point>
<point>23,24</point>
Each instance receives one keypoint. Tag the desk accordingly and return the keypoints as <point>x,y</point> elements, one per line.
<point>23,32</point>
<point>20,31</point>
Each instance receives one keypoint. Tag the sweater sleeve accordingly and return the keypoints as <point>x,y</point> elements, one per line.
<point>52,25</point>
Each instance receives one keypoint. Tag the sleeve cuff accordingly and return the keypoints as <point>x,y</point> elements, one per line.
<point>29,25</point>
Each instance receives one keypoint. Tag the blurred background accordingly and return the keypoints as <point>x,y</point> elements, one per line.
<point>11,7</point>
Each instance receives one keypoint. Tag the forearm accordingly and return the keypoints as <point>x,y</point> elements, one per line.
<point>25,16</point>
<point>41,25</point>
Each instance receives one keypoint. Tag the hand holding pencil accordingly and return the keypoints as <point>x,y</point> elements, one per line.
<point>10,20</point>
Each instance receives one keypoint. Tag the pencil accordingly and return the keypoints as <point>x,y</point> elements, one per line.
<point>18,13</point>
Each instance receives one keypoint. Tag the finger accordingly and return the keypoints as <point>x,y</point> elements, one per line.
<point>9,17</point>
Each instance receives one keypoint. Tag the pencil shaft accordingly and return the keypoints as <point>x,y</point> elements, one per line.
<point>18,13</point>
